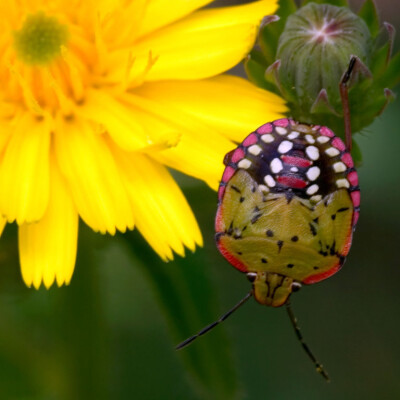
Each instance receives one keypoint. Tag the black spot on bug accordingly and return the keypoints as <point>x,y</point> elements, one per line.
<point>253,189</point>
<point>315,220</point>
<point>256,210</point>
<point>244,228</point>
<point>342,259</point>
<point>333,216</point>
<point>316,267</point>
<point>264,260</point>
<point>343,209</point>
<point>270,233</point>
<point>236,189</point>
<point>313,229</point>
<point>241,199</point>
<point>239,252</point>
<point>230,229</point>
<point>289,196</point>
<point>333,250</point>
<point>294,239</point>
<point>237,234</point>
<point>255,218</point>
<point>218,236</point>
<point>290,265</point>
<point>323,253</point>
<point>280,244</point>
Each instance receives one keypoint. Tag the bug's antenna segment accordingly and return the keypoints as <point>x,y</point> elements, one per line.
<point>344,95</point>
<point>293,320</point>
<point>215,323</point>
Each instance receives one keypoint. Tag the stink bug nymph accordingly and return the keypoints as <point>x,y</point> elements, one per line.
<point>288,203</point>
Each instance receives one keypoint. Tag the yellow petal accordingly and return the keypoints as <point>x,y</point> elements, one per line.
<point>48,248</point>
<point>204,44</point>
<point>162,213</point>
<point>95,182</point>
<point>24,171</point>
<point>200,150</point>
<point>3,222</point>
<point>103,109</point>
<point>227,104</point>
<point>162,12</point>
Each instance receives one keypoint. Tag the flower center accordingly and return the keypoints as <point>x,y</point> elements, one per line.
<point>40,39</point>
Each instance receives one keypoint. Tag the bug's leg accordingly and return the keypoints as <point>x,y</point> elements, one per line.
<point>214,324</point>
<point>355,66</point>
<point>293,320</point>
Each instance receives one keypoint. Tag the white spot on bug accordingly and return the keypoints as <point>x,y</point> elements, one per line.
<point>312,189</point>
<point>244,163</point>
<point>310,139</point>
<point>293,135</point>
<point>255,149</point>
<point>342,183</point>
<point>332,151</point>
<point>285,146</point>
<point>280,130</point>
<point>316,198</point>
<point>276,165</point>
<point>269,180</point>
<point>313,173</point>
<point>312,152</point>
<point>263,188</point>
<point>323,139</point>
<point>267,138</point>
<point>294,169</point>
<point>339,167</point>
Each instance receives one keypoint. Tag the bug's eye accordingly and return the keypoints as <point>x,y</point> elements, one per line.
<point>296,286</point>
<point>251,276</point>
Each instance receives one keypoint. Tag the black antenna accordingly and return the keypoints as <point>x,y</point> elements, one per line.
<point>344,94</point>
<point>214,324</point>
<point>293,320</point>
<point>355,66</point>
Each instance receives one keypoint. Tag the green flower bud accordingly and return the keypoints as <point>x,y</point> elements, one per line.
<point>314,51</point>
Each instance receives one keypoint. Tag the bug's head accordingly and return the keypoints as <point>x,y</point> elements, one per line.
<point>272,289</point>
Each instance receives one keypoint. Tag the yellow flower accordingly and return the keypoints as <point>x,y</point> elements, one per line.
<point>97,99</point>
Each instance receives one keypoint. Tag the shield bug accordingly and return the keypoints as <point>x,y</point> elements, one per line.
<point>288,203</point>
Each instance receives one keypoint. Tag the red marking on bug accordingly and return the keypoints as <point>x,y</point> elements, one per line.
<point>228,173</point>
<point>323,275</point>
<point>324,131</point>
<point>219,224</point>
<point>355,217</point>
<point>291,182</point>
<point>353,178</point>
<point>267,128</point>
<point>355,197</point>
<point>221,192</point>
<point>251,139</point>
<point>346,158</point>
<point>338,143</point>
<point>237,155</point>
<point>229,256</point>
<point>284,122</point>
<point>296,161</point>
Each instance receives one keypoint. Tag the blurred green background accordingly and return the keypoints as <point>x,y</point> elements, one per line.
<point>111,333</point>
